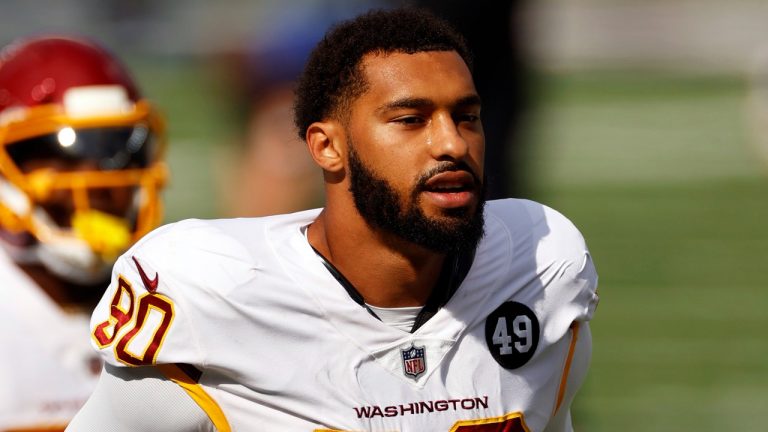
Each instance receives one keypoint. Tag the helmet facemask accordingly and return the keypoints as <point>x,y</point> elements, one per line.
<point>82,177</point>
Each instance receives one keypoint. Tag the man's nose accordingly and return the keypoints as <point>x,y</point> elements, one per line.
<point>446,141</point>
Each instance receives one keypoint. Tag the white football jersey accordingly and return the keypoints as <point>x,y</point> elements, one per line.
<point>47,367</point>
<point>243,315</point>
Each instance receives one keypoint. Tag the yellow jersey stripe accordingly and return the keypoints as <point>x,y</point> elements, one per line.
<point>567,367</point>
<point>196,392</point>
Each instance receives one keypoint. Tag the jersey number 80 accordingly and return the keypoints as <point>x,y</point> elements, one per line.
<point>139,325</point>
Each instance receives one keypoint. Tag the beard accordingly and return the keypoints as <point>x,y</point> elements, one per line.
<point>458,230</point>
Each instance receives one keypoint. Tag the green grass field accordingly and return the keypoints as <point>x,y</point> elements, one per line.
<point>657,171</point>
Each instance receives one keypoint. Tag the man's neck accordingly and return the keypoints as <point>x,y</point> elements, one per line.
<point>386,271</point>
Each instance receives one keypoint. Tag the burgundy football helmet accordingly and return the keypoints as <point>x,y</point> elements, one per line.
<point>81,156</point>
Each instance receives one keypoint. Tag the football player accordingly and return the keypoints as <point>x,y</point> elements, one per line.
<point>80,172</point>
<point>407,303</point>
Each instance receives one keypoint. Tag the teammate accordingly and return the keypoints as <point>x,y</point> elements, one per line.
<point>80,171</point>
<point>405,304</point>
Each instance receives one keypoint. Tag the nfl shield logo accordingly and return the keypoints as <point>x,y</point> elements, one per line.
<point>414,361</point>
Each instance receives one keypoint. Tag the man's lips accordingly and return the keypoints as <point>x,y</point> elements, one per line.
<point>450,181</point>
<point>451,189</point>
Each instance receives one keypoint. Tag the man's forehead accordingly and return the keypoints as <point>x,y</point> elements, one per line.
<point>424,74</point>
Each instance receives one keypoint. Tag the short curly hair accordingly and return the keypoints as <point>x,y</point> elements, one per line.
<point>333,76</point>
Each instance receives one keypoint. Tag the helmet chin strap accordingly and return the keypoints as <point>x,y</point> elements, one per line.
<point>73,261</point>
<point>85,259</point>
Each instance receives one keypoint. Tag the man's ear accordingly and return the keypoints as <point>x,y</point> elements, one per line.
<point>325,142</point>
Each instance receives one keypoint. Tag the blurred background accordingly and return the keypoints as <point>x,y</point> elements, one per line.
<point>644,121</point>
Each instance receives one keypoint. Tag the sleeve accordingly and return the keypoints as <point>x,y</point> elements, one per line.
<point>169,300</point>
<point>566,301</point>
<point>571,303</point>
<point>584,279</point>
<point>139,400</point>
<point>576,374</point>
<point>568,276</point>
<point>145,315</point>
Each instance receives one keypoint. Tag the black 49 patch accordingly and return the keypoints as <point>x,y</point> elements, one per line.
<point>512,334</point>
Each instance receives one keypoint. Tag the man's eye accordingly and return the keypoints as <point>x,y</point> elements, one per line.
<point>409,120</point>
<point>468,117</point>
